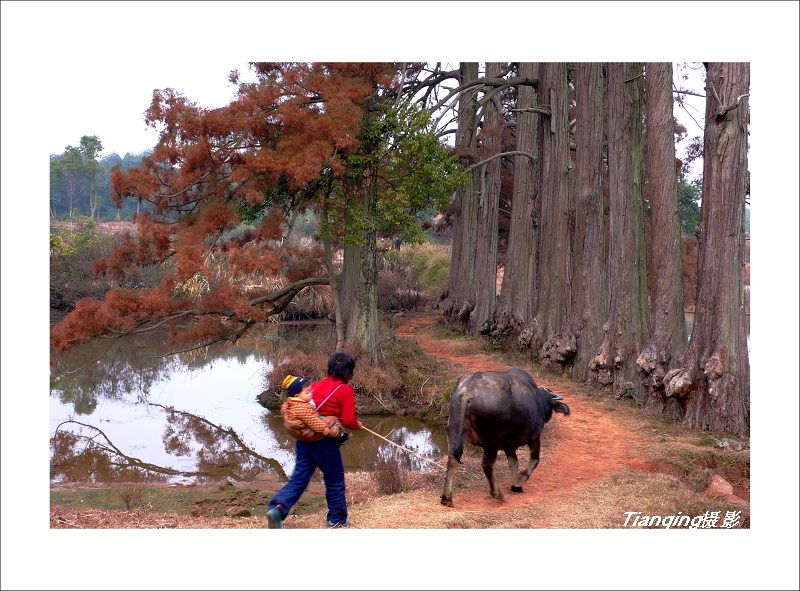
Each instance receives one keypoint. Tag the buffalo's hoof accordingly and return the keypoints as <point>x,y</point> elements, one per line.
<point>447,502</point>
<point>516,489</point>
<point>499,496</point>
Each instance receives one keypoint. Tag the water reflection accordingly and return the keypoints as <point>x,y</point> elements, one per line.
<point>363,449</point>
<point>122,411</point>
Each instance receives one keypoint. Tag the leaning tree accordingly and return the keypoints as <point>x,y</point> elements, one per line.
<point>301,136</point>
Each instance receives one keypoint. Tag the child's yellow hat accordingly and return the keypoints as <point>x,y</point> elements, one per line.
<point>287,381</point>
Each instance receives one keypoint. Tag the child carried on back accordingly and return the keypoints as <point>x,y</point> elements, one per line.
<point>300,414</point>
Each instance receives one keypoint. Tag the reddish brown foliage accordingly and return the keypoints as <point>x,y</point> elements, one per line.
<point>121,311</point>
<point>273,139</point>
<point>301,263</point>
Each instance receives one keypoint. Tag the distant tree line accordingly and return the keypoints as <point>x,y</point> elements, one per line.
<point>79,182</point>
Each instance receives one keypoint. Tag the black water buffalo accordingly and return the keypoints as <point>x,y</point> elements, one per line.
<point>498,410</point>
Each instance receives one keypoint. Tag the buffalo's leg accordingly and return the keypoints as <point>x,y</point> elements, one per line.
<point>535,447</point>
<point>447,493</point>
<point>489,458</point>
<point>513,464</point>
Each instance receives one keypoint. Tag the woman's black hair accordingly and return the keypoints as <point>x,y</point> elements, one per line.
<point>341,366</point>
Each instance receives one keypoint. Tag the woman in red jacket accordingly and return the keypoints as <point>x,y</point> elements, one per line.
<point>333,397</point>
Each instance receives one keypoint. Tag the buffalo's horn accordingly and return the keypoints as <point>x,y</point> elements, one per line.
<point>556,396</point>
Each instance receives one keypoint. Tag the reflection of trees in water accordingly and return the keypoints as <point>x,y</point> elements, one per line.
<point>88,454</point>
<point>362,451</point>
<point>111,369</point>
<point>218,451</point>
<point>408,433</point>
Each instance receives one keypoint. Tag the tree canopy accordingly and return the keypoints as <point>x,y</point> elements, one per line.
<point>302,134</point>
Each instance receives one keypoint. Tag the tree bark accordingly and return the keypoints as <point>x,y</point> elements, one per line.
<point>334,279</point>
<point>484,288</point>
<point>517,295</point>
<point>626,328</point>
<point>667,340</point>
<point>590,295</point>
<point>359,272</point>
<point>367,326</point>
<point>713,385</point>
<point>555,256</point>
<point>457,307</point>
<point>349,281</point>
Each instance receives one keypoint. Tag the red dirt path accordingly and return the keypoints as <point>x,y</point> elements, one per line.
<point>585,446</point>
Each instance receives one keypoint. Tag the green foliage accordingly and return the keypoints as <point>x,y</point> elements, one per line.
<point>421,173</point>
<point>417,173</point>
<point>79,181</point>
<point>689,205</point>
<point>74,246</point>
<point>75,239</point>
<point>57,244</point>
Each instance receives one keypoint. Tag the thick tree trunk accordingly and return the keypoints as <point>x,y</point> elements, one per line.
<point>484,288</point>
<point>517,295</point>
<point>626,328</point>
<point>667,340</point>
<point>555,258</point>
<point>458,306</point>
<point>713,385</point>
<point>359,282</point>
<point>368,327</point>
<point>590,297</point>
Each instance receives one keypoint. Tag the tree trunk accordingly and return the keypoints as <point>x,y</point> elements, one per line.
<point>350,278</point>
<point>359,304</point>
<point>93,204</point>
<point>334,279</point>
<point>457,306</point>
<point>367,331</point>
<point>555,257</point>
<point>714,384</point>
<point>667,340</point>
<point>590,286</point>
<point>517,296</point>
<point>484,288</point>
<point>360,273</point>
<point>626,328</point>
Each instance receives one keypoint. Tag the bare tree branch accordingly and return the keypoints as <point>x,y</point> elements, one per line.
<point>543,109</point>
<point>501,154</point>
<point>683,106</point>
<point>501,82</point>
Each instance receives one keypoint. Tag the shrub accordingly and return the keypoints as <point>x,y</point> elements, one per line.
<point>412,276</point>
<point>389,473</point>
<point>74,247</point>
<point>131,497</point>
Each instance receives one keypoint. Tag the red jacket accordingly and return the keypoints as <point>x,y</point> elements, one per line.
<point>342,404</point>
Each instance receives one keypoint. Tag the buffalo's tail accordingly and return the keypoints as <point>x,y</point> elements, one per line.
<point>455,424</point>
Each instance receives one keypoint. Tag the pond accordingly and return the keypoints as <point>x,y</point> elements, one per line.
<point>125,410</point>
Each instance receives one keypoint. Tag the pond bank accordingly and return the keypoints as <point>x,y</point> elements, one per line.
<point>657,468</point>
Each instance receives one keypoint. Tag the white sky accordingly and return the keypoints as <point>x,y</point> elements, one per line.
<point>75,68</point>
<point>110,103</point>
